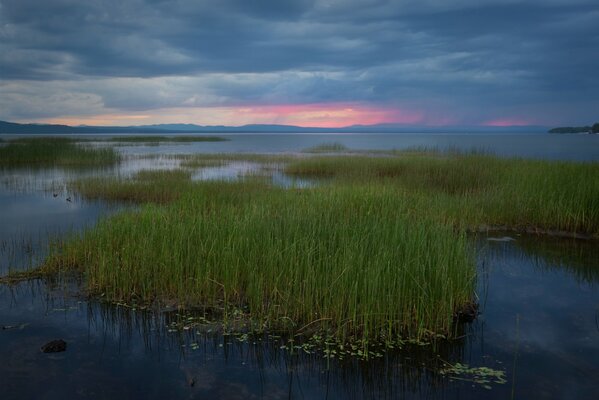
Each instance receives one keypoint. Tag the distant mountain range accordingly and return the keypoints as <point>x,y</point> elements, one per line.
<point>11,127</point>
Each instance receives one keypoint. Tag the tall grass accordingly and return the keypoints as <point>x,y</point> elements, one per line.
<point>215,159</point>
<point>377,253</point>
<point>54,151</point>
<point>328,147</point>
<point>352,261</point>
<point>471,190</point>
<point>155,186</point>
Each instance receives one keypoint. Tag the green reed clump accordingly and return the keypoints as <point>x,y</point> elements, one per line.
<point>471,189</point>
<point>354,261</point>
<point>54,151</point>
<point>552,195</point>
<point>329,147</point>
<point>155,186</point>
<point>154,139</point>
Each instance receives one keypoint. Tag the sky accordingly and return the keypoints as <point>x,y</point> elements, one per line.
<point>326,63</point>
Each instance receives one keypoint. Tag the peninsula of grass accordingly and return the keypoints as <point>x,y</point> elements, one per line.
<point>159,139</point>
<point>472,191</point>
<point>54,151</point>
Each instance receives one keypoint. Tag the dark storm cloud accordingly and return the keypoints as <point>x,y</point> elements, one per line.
<point>473,56</point>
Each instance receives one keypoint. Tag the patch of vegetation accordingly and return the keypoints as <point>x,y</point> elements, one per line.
<point>379,254</point>
<point>54,151</point>
<point>576,129</point>
<point>330,147</point>
<point>472,190</point>
<point>156,186</point>
<point>483,376</point>
<point>16,276</point>
<point>156,139</point>
<point>353,262</point>
<point>215,159</point>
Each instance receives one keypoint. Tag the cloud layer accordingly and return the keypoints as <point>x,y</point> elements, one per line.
<point>463,61</point>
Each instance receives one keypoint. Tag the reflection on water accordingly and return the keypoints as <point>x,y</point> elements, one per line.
<point>538,325</point>
<point>580,258</point>
<point>117,351</point>
<point>30,220</point>
<point>539,311</point>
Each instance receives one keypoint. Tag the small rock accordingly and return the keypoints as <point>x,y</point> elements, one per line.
<point>54,346</point>
<point>7,327</point>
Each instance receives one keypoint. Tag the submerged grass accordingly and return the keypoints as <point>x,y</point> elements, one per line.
<point>54,151</point>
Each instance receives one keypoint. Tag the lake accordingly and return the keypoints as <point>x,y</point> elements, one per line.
<point>579,147</point>
<point>539,299</point>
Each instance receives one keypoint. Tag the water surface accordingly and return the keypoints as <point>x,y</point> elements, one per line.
<point>539,321</point>
<point>577,147</point>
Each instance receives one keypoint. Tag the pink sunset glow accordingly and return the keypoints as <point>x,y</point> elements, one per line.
<point>333,115</point>
<point>326,115</point>
<point>507,122</point>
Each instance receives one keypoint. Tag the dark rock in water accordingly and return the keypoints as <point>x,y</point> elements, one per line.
<point>467,313</point>
<point>54,346</point>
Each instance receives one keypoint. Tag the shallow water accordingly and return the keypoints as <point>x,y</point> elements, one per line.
<point>539,322</point>
<point>37,206</point>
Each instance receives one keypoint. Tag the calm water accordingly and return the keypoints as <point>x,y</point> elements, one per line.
<point>548,146</point>
<point>539,324</point>
<point>539,298</point>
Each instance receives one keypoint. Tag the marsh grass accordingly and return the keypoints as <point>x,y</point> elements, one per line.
<point>155,186</point>
<point>379,253</point>
<point>470,190</point>
<point>54,151</point>
<point>215,159</point>
<point>353,262</point>
<point>329,147</point>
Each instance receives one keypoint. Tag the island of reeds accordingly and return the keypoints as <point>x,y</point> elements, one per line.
<point>54,151</point>
<point>377,252</point>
